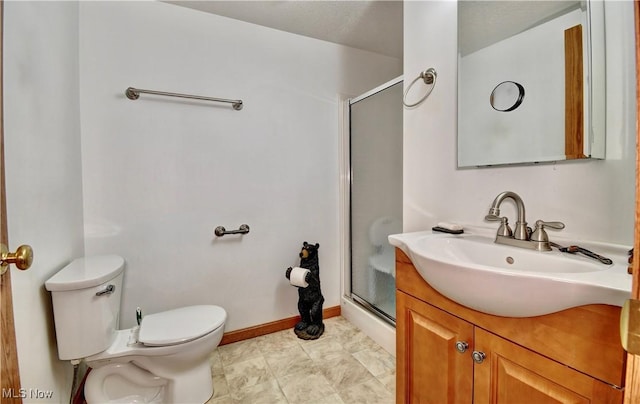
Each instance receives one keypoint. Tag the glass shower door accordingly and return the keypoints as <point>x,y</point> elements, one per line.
<point>376,195</point>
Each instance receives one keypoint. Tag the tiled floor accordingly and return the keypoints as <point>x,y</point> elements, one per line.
<point>342,366</point>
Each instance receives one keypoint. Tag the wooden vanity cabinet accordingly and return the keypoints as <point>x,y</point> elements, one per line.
<point>569,357</point>
<point>430,366</point>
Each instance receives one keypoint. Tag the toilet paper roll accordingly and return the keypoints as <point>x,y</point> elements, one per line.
<point>298,276</point>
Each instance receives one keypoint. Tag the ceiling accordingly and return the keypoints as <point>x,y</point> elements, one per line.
<point>377,25</point>
<point>483,23</point>
<point>374,26</point>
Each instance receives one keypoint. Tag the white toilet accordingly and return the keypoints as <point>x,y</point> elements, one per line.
<point>164,360</point>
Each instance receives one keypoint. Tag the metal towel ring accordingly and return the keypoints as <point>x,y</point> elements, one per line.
<point>429,77</point>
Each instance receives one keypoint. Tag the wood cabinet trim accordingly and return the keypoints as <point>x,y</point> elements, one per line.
<point>574,97</point>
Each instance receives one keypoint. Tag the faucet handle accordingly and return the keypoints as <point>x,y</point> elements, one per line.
<point>504,229</point>
<point>539,234</point>
<point>552,225</point>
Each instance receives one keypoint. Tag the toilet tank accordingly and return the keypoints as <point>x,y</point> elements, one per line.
<point>86,304</point>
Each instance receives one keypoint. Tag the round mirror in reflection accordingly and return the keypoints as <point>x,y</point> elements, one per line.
<point>507,96</point>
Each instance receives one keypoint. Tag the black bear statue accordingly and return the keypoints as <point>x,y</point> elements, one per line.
<point>310,298</point>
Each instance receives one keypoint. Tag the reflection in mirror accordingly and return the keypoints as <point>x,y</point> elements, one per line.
<point>506,96</point>
<point>554,50</point>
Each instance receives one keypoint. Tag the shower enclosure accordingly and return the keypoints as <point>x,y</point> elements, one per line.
<point>375,164</point>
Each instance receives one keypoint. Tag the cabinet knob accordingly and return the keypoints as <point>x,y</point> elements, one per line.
<point>478,356</point>
<point>462,346</point>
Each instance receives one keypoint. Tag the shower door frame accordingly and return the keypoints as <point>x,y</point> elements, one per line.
<point>346,182</point>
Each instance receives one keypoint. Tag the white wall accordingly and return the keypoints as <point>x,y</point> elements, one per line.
<point>595,199</point>
<point>43,171</point>
<point>160,174</point>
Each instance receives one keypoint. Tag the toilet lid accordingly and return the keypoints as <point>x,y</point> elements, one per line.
<point>180,325</point>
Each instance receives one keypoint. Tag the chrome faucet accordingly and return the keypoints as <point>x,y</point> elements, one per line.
<point>523,236</point>
<point>521,232</point>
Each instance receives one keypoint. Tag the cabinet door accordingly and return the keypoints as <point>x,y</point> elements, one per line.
<point>430,368</point>
<point>513,374</point>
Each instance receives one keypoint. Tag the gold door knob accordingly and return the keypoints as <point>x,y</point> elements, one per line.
<point>23,257</point>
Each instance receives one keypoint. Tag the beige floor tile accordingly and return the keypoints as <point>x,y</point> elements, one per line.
<point>277,341</point>
<point>342,366</point>
<point>291,360</point>
<point>377,361</point>
<point>239,351</point>
<point>343,371</point>
<point>337,326</point>
<point>356,341</point>
<point>222,400</point>
<point>264,393</point>
<point>389,380</point>
<point>332,399</point>
<point>220,386</point>
<point>216,363</point>
<point>323,348</point>
<point>305,387</point>
<point>246,374</point>
<point>369,392</point>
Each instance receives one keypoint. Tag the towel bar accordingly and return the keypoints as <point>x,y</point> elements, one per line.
<point>221,231</point>
<point>134,94</point>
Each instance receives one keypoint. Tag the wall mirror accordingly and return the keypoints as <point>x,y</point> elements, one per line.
<point>554,50</point>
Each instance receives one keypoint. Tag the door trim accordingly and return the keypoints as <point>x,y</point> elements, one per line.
<point>10,374</point>
<point>632,382</point>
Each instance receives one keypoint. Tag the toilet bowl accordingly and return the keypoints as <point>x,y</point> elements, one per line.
<point>164,359</point>
<point>123,383</point>
<point>173,347</point>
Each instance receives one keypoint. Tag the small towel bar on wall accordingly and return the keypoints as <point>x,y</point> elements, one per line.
<point>221,231</point>
<point>134,94</point>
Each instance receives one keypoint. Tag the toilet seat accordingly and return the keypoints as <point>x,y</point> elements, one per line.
<point>180,325</point>
<point>127,342</point>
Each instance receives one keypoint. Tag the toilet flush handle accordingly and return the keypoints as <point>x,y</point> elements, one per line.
<point>109,290</point>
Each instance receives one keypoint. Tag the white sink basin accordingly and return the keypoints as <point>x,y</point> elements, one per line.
<point>472,270</point>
